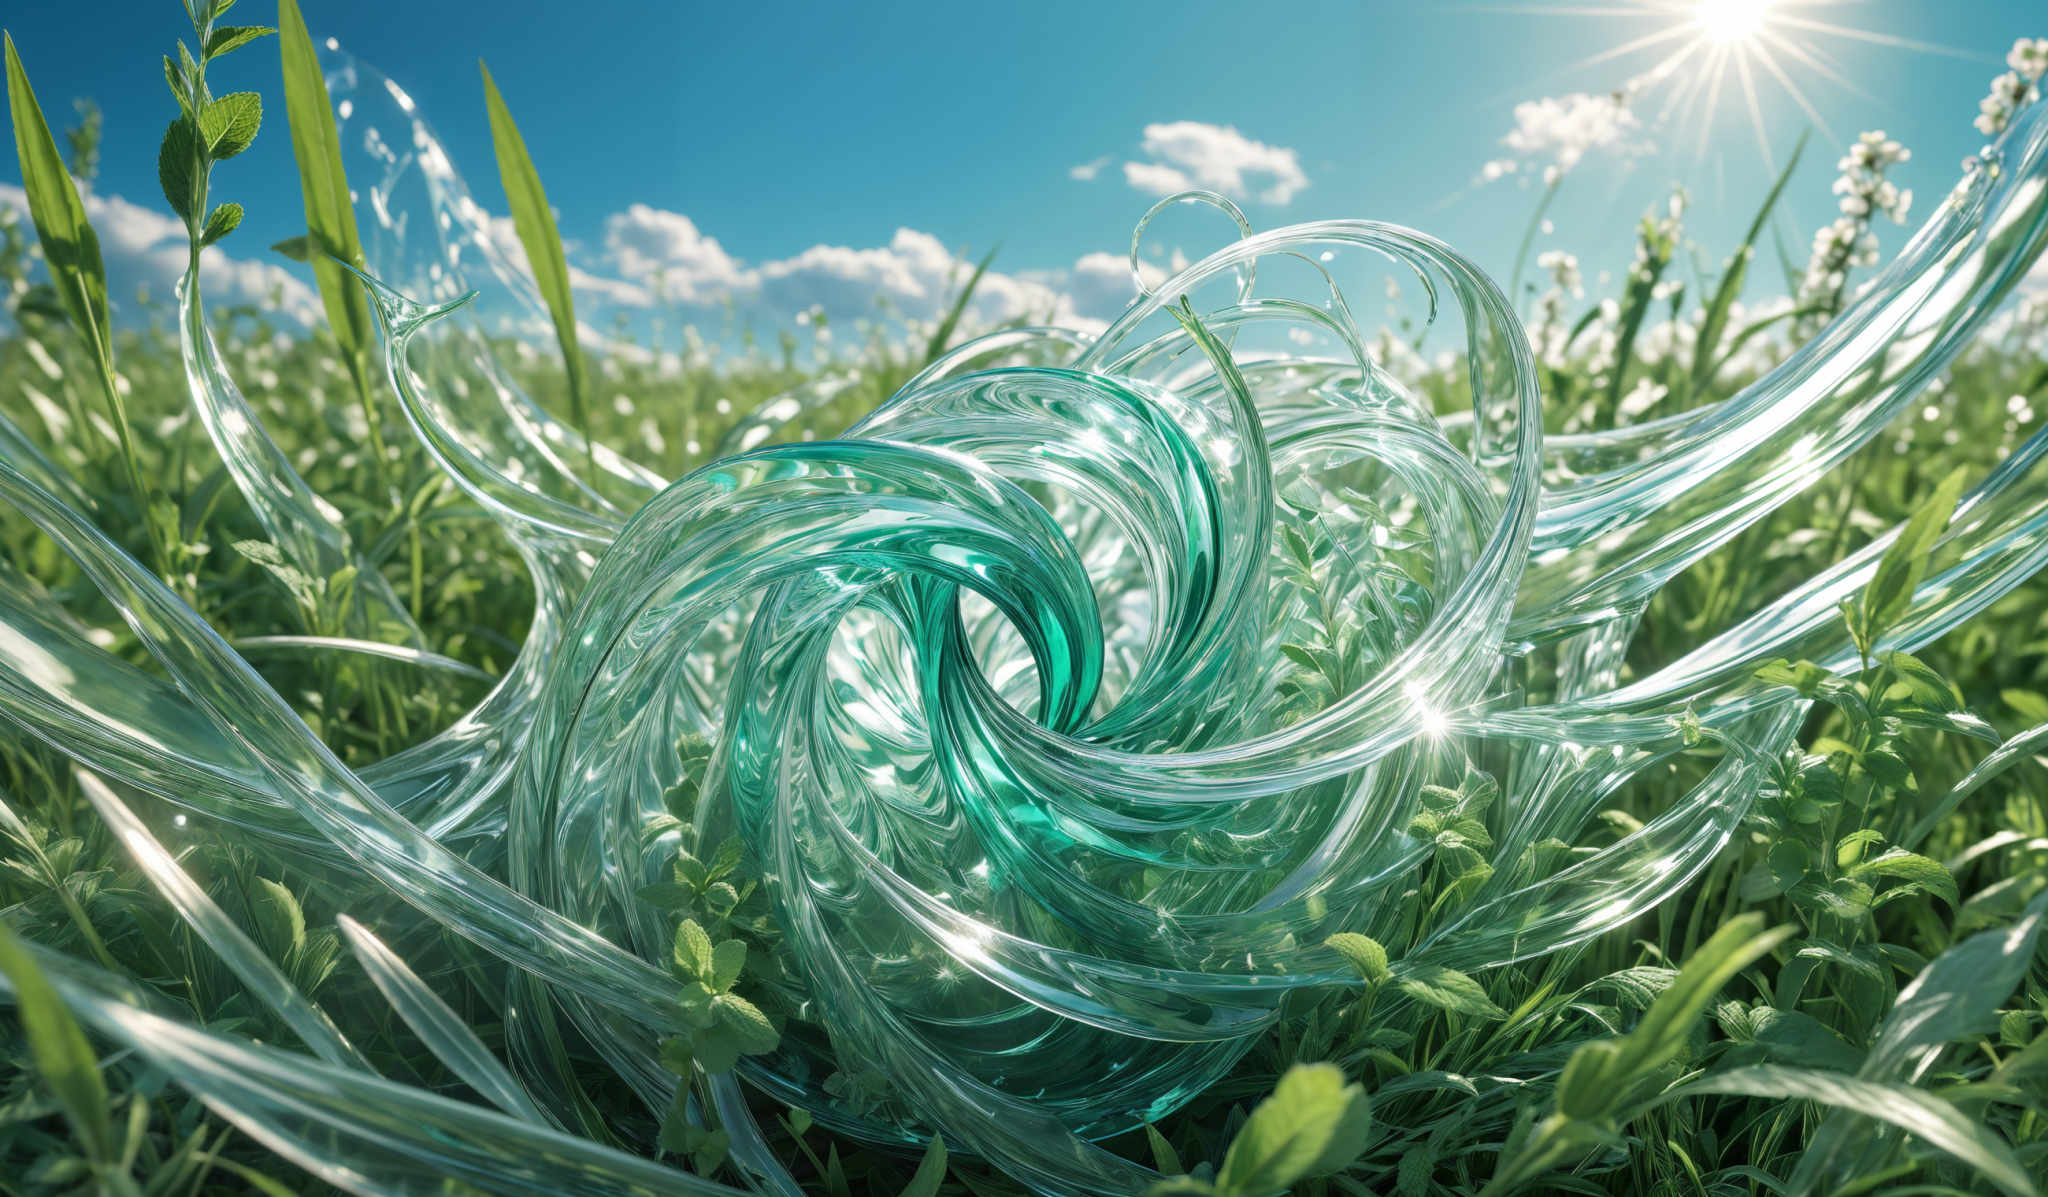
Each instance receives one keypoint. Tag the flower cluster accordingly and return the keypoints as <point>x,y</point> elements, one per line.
<point>1548,332</point>
<point>2016,88</point>
<point>1847,241</point>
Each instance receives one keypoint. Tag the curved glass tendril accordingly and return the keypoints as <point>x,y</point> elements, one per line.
<point>991,688</point>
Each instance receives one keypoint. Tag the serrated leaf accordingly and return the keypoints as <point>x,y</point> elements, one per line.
<point>1446,989</point>
<point>233,37</point>
<point>228,125</point>
<point>1363,953</point>
<point>727,959</point>
<point>174,79</point>
<point>224,220</point>
<point>70,247</point>
<point>1901,865</point>
<point>1315,1123</point>
<point>174,167</point>
<point>693,950</point>
<point>743,1021</point>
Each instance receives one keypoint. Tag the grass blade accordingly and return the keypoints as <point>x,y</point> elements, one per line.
<point>1898,574</point>
<point>1715,322</point>
<point>535,223</point>
<point>1915,1111</point>
<point>70,247</point>
<point>944,332</point>
<point>62,1054</point>
<point>330,217</point>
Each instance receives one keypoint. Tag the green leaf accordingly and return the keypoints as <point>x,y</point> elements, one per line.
<point>1915,1111</point>
<point>1447,989</point>
<point>1165,1160</point>
<point>174,78</point>
<point>234,37</point>
<point>727,959</point>
<point>931,1171</point>
<point>224,220</point>
<point>1314,1124</point>
<point>70,248</point>
<point>1364,954</point>
<point>1594,1080</point>
<point>284,920</point>
<point>1957,994</point>
<point>62,1055</point>
<point>2028,705</point>
<point>535,223</point>
<point>330,214</point>
<point>743,1020</point>
<point>693,951</point>
<point>1901,865</point>
<point>714,1053</point>
<point>1668,1022</point>
<point>1890,590</point>
<point>298,249</point>
<point>228,125</point>
<point>174,167</point>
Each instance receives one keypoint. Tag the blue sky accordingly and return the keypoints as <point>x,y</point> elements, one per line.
<point>831,148</point>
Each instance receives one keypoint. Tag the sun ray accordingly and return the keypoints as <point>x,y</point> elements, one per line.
<point>1685,62</point>
<point>1891,41</point>
<point>1756,114</point>
<point>1713,102</point>
<point>1626,48</point>
<point>1798,97</point>
<point>1811,57</point>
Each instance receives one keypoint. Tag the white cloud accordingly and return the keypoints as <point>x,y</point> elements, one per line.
<point>651,245</point>
<point>915,272</point>
<point>1154,179</point>
<point>1561,130</point>
<point>1100,284</point>
<point>1219,158</point>
<point>663,257</point>
<point>1087,171</point>
<point>146,248</point>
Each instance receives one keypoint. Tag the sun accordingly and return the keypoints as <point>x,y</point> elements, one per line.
<point>1691,59</point>
<point>1727,21</point>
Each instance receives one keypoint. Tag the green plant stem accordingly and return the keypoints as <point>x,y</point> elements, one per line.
<point>131,462</point>
<point>1528,240</point>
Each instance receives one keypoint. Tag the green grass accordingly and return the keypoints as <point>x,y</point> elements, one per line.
<point>1601,1070</point>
